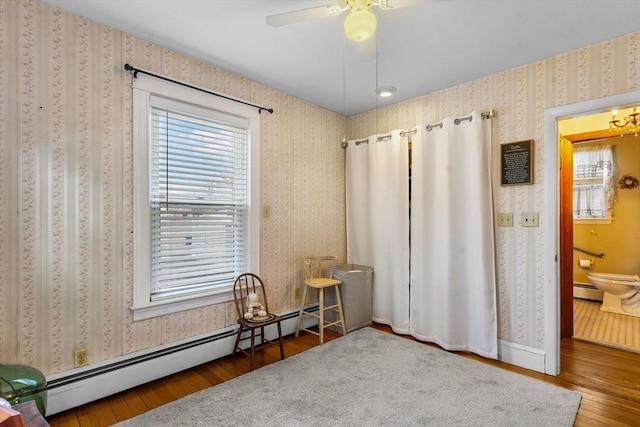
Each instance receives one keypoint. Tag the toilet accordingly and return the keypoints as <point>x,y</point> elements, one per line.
<point>621,292</point>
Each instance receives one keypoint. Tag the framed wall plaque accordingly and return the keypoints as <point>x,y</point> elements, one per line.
<point>516,160</point>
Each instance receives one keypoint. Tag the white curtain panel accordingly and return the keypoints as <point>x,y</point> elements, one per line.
<point>359,248</point>
<point>378,222</point>
<point>453,279</point>
<point>594,189</point>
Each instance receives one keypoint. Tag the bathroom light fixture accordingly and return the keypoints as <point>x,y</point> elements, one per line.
<point>628,124</point>
<point>385,91</point>
<point>360,25</point>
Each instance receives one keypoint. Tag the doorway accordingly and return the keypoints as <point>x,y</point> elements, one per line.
<point>559,249</point>
<point>601,224</point>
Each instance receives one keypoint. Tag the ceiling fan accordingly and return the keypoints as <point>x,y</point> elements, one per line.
<point>359,26</point>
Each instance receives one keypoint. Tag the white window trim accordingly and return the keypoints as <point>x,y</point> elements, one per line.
<point>143,88</point>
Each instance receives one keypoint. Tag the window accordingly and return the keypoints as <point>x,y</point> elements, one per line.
<point>196,193</point>
<point>593,184</point>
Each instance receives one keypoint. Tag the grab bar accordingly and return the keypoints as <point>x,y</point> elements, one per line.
<point>587,251</point>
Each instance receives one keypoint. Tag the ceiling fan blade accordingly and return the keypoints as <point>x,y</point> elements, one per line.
<point>301,15</point>
<point>401,4</point>
<point>368,50</point>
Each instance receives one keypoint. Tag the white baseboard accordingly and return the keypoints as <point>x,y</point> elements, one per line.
<point>73,388</point>
<point>79,386</point>
<point>520,355</point>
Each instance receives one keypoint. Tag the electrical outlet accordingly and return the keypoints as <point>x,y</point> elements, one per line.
<point>81,358</point>
<point>505,219</point>
<point>297,293</point>
<point>530,219</point>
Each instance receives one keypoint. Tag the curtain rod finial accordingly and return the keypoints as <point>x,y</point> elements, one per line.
<point>488,114</point>
<point>129,68</point>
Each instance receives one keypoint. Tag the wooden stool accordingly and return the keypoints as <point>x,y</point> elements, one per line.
<point>313,278</point>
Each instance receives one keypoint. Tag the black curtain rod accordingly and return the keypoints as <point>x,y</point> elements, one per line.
<point>135,72</point>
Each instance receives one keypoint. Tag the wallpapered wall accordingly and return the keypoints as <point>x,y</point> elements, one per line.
<point>519,97</point>
<point>66,246</point>
<point>66,180</point>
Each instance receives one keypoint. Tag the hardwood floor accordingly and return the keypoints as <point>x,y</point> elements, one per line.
<point>609,380</point>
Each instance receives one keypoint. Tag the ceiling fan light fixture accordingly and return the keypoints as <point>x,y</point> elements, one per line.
<point>360,25</point>
<point>385,91</point>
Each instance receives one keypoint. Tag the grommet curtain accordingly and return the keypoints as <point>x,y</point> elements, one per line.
<point>432,251</point>
<point>377,188</point>
<point>453,278</point>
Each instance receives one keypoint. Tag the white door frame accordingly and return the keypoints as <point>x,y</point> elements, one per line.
<point>552,211</point>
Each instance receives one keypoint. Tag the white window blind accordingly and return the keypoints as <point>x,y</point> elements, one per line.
<point>199,202</point>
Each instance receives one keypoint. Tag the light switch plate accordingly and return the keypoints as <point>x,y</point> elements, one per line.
<point>505,219</point>
<point>530,219</point>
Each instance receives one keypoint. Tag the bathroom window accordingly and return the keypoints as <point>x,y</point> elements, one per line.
<point>593,183</point>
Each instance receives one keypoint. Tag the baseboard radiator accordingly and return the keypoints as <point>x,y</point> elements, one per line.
<point>70,389</point>
<point>587,291</point>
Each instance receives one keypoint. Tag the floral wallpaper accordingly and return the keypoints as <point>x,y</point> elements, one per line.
<point>66,182</point>
<point>519,98</point>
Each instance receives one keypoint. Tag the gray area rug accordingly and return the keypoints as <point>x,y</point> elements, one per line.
<point>372,378</point>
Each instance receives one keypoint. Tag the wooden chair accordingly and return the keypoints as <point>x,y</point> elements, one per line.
<point>318,274</point>
<point>245,284</point>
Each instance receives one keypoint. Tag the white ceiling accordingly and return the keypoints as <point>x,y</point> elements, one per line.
<point>423,45</point>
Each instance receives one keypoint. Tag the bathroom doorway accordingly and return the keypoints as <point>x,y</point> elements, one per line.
<point>558,250</point>
<point>608,244</point>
